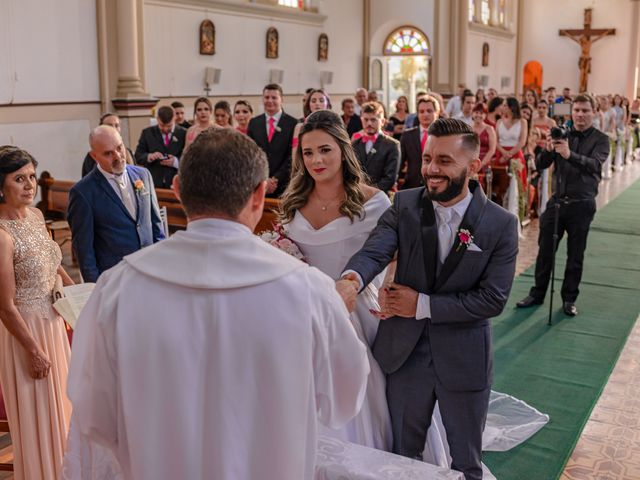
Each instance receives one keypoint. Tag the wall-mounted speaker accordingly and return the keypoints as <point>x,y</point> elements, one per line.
<point>276,76</point>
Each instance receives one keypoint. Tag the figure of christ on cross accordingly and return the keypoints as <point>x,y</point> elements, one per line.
<point>585,38</point>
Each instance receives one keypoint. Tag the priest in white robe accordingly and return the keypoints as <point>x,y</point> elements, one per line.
<point>211,355</point>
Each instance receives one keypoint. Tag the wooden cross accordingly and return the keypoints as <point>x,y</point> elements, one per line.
<point>585,37</point>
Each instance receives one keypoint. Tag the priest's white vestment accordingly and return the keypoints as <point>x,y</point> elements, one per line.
<point>211,355</point>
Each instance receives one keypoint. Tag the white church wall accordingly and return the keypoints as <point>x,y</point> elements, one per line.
<point>502,56</point>
<point>49,81</point>
<point>48,51</point>
<point>174,67</point>
<point>559,55</point>
<point>59,147</point>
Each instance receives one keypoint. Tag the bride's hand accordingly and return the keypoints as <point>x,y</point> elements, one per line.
<point>348,289</point>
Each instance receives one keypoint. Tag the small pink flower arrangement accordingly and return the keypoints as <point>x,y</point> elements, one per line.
<point>465,238</point>
<point>278,238</point>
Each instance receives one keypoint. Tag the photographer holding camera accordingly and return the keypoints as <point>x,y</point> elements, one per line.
<point>577,155</point>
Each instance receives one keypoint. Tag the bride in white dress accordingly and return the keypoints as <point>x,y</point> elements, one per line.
<point>328,211</point>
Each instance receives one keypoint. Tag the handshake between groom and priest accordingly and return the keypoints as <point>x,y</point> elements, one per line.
<point>244,353</point>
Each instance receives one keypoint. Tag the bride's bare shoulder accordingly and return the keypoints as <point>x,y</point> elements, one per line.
<point>369,192</point>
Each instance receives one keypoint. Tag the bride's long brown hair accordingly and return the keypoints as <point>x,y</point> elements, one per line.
<point>302,183</point>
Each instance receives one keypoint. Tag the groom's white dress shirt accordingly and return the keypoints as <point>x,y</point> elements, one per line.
<point>448,220</point>
<point>213,355</point>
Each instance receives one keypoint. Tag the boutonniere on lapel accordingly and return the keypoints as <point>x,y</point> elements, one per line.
<point>278,129</point>
<point>373,151</point>
<point>138,185</point>
<point>465,239</point>
<point>174,139</point>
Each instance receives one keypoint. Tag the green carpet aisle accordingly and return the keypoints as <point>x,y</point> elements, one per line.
<point>561,370</point>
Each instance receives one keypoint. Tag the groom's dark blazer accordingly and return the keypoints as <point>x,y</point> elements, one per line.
<point>470,288</point>
<point>102,230</point>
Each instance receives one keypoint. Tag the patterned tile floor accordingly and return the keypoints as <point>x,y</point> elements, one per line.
<point>609,448</point>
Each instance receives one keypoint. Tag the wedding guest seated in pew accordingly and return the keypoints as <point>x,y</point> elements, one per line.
<point>213,354</point>
<point>113,211</point>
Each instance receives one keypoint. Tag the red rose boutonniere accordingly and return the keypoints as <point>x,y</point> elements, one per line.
<point>465,238</point>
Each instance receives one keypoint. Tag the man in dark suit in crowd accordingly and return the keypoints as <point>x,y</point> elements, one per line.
<point>113,211</point>
<point>456,258</point>
<point>178,108</point>
<point>112,120</point>
<point>160,147</point>
<point>413,141</point>
<point>351,120</point>
<point>273,132</point>
<point>379,154</point>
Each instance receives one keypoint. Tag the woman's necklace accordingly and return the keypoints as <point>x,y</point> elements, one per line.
<point>325,204</point>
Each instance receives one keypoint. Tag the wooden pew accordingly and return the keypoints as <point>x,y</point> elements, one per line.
<point>55,200</point>
<point>177,218</point>
<point>269,216</point>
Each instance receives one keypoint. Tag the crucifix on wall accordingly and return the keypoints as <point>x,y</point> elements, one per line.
<point>585,37</point>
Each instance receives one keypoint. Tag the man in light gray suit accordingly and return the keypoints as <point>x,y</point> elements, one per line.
<point>456,257</point>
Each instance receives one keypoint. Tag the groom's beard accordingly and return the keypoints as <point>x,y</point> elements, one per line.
<point>453,189</point>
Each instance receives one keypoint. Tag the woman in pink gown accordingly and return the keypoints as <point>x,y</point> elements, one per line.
<point>34,348</point>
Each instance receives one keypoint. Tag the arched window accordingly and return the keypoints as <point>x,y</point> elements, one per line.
<point>472,10</point>
<point>502,15</point>
<point>485,12</point>
<point>406,41</point>
<point>292,3</point>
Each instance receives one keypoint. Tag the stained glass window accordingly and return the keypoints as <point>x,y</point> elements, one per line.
<point>485,12</point>
<point>406,41</point>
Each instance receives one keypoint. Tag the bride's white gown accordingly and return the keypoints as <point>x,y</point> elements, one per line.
<point>329,248</point>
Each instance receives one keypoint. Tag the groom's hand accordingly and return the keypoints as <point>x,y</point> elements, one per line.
<point>399,301</point>
<point>348,287</point>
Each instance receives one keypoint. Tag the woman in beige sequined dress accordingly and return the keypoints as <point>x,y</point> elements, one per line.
<point>34,349</point>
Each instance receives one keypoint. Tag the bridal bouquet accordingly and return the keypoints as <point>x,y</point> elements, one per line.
<point>279,239</point>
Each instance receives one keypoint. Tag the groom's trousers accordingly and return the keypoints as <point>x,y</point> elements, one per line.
<point>412,391</point>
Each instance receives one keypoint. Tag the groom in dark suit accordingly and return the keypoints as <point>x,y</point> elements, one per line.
<point>113,211</point>
<point>273,132</point>
<point>456,257</point>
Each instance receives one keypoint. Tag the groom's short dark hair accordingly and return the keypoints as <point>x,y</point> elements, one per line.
<point>219,172</point>
<point>446,127</point>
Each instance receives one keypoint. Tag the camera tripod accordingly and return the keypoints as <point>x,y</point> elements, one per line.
<point>556,217</point>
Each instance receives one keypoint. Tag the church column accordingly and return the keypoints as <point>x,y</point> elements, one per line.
<point>633,76</point>
<point>461,47</point>
<point>366,40</point>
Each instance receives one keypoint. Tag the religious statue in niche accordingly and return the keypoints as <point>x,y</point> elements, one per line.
<point>207,38</point>
<point>272,43</point>
<point>323,47</point>
<point>485,54</point>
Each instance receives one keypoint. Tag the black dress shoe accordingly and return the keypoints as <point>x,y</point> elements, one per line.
<point>570,309</point>
<point>528,301</point>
